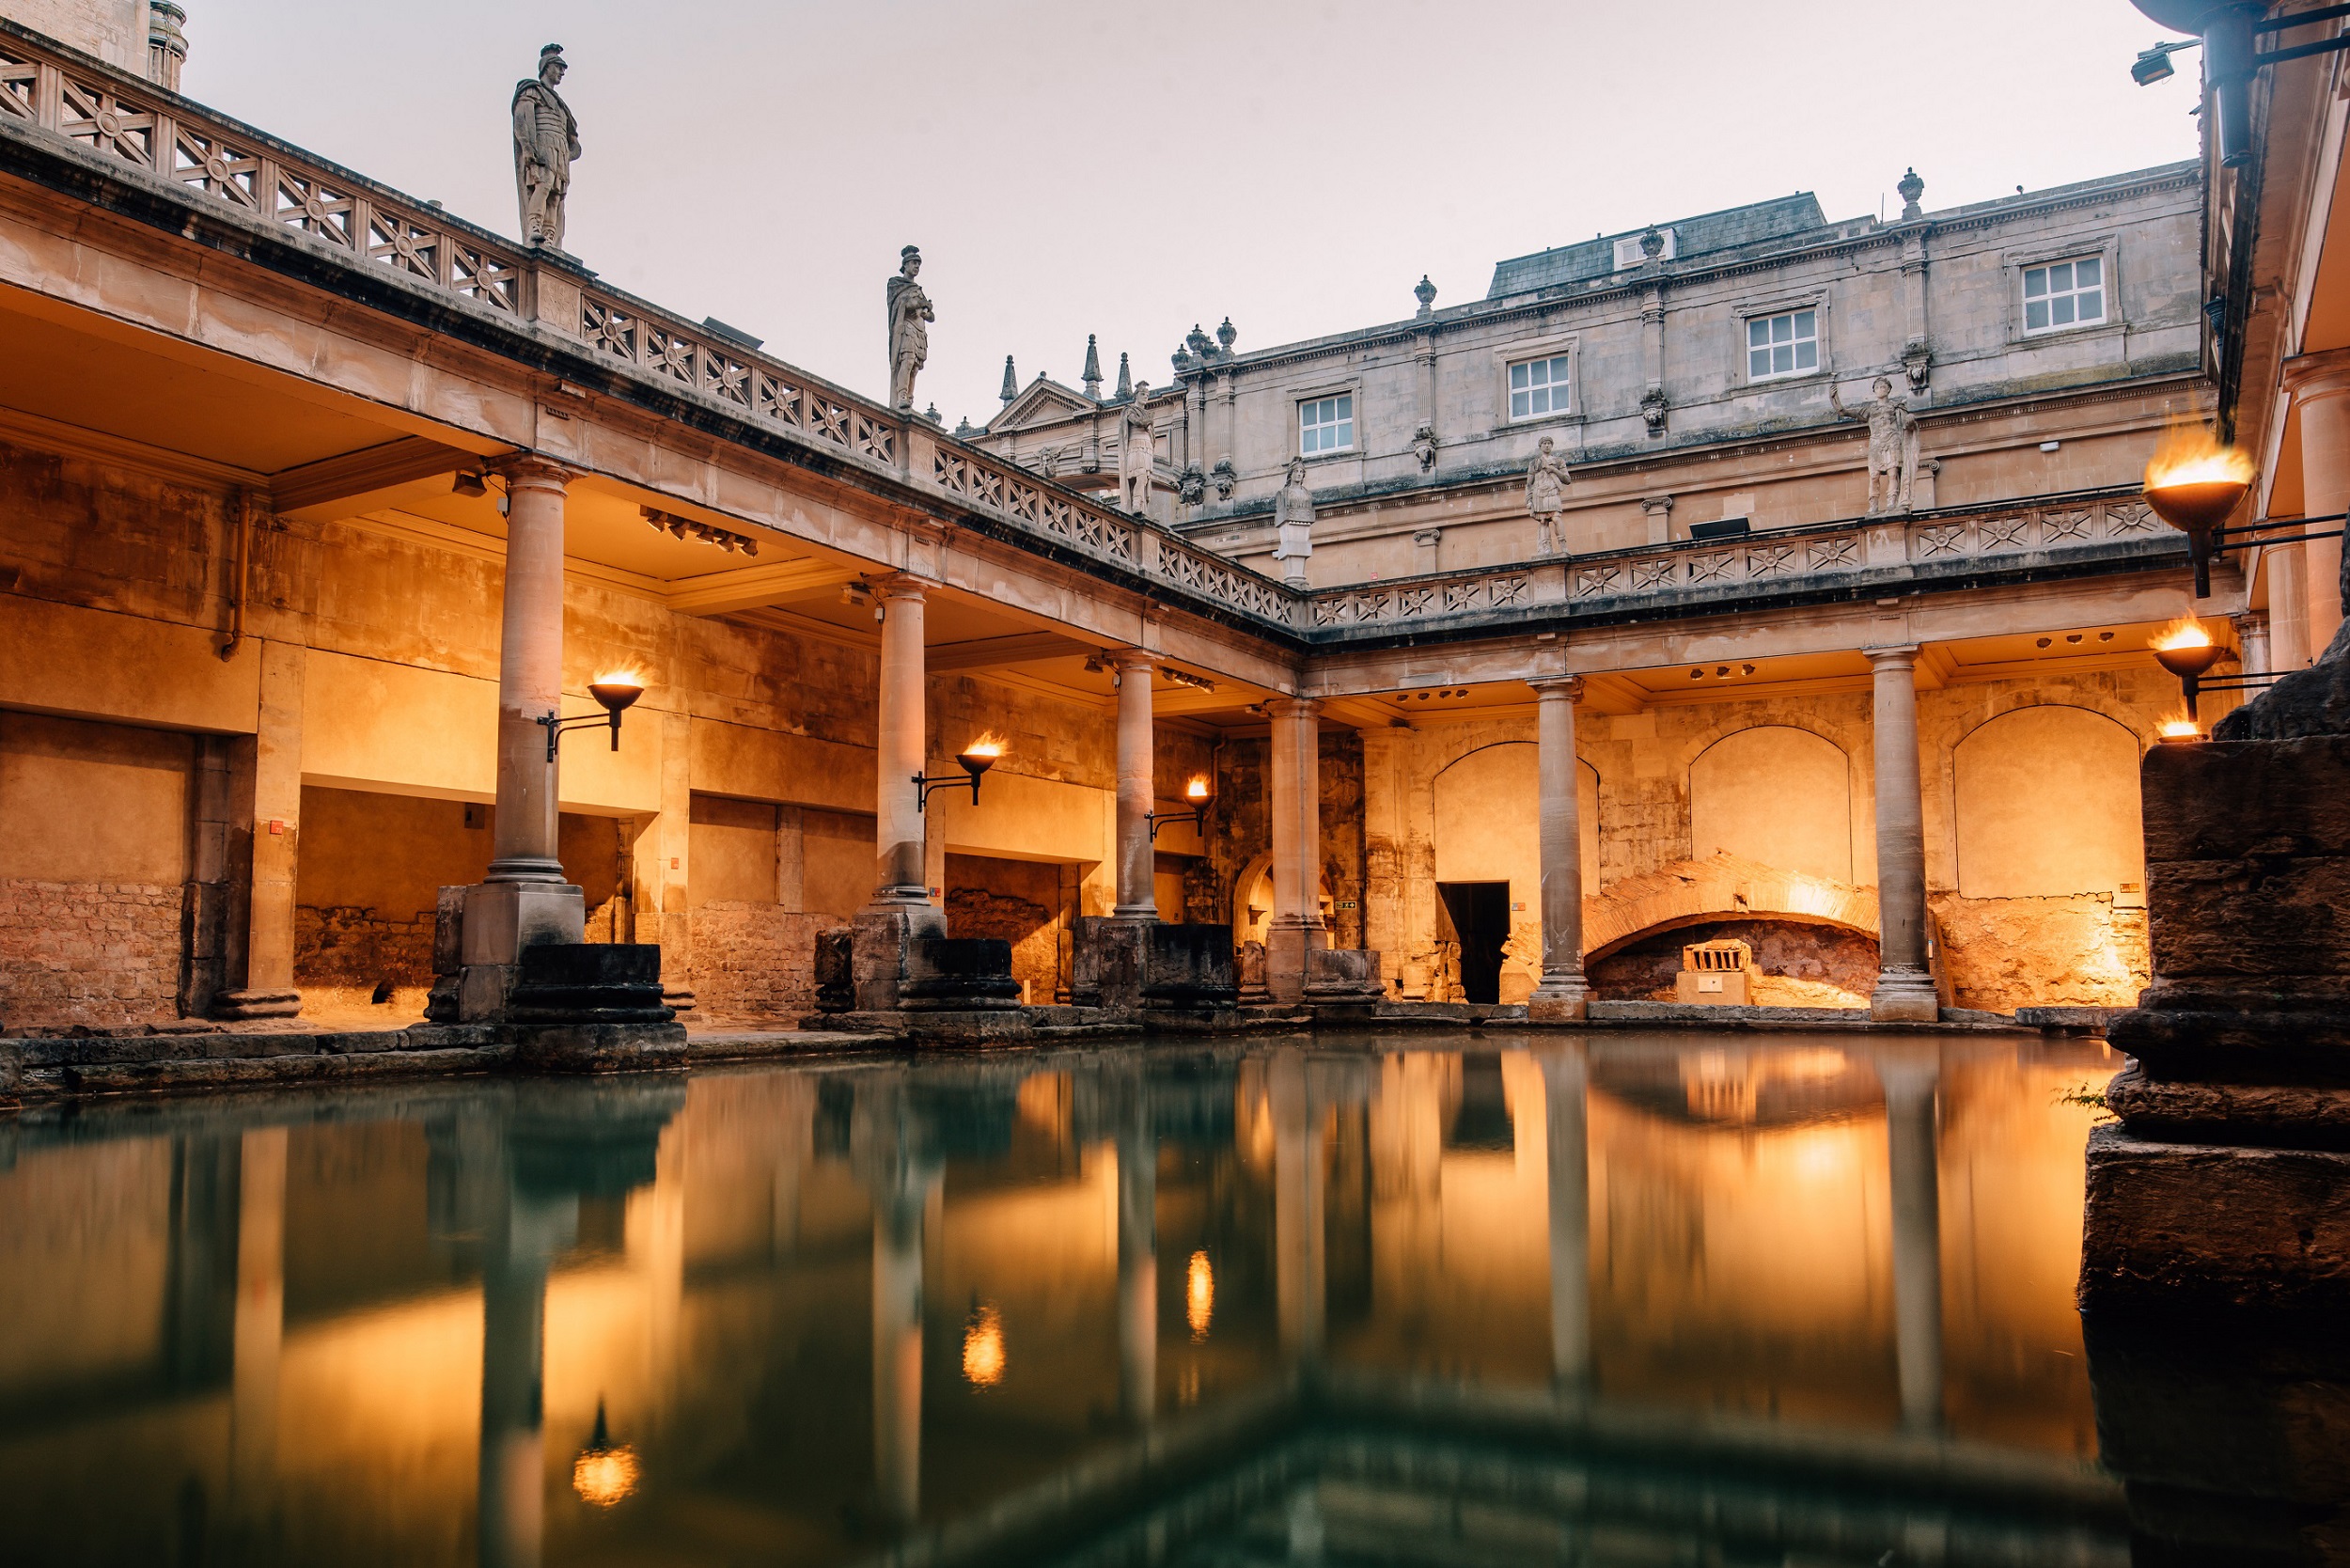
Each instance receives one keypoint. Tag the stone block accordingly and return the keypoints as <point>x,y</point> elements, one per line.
<point>501,918</point>
<point>607,1047</point>
<point>1346,981</point>
<point>589,983</point>
<point>881,952</point>
<point>836,985</point>
<point>2188,1227</point>
<point>1189,967</point>
<point>1107,961</point>
<point>965,974</point>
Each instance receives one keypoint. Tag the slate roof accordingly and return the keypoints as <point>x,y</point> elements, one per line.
<point>1779,218</point>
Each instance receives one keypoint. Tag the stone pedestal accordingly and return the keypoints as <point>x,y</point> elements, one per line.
<point>1343,981</point>
<point>2215,1248</point>
<point>959,991</point>
<point>882,945</point>
<point>502,921</point>
<point>1189,970</point>
<point>1107,962</point>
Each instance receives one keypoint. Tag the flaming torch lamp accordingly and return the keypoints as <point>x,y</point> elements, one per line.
<point>1197,794</point>
<point>615,692</point>
<point>2194,483</point>
<point>976,760</point>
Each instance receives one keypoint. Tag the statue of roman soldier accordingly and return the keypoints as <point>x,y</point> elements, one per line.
<point>546,139</point>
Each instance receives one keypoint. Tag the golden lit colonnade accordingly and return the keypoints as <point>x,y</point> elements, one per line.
<point>327,509</point>
<point>582,1294</point>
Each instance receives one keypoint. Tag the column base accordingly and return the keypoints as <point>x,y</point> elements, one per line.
<point>1559,1000</point>
<point>257,1004</point>
<point>1904,997</point>
<point>1286,945</point>
<point>882,944</point>
<point>502,919</point>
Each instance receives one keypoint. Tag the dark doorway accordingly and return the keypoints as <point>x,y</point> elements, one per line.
<point>1480,912</point>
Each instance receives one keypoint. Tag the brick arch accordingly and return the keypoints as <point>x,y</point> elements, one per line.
<point>1720,887</point>
<point>1696,746</point>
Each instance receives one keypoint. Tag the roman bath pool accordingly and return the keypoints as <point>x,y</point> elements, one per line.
<point>1607,1297</point>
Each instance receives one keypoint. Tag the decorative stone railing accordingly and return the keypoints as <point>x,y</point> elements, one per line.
<point>146,130</point>
<point>1703,574</point>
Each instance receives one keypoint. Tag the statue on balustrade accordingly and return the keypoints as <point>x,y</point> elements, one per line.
<point>909,333</point>
<point>1294,524</point>
<point>546,140</point>
<point>1547,481</point>
<point>1892,445</point>
<point>1135,453</point>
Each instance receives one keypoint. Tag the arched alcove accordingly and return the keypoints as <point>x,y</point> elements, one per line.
<point>1774,795</point>
<point>1489,863</point>
<point>2047,806</point>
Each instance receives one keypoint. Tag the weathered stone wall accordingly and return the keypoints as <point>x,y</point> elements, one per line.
<point>99,954</point>
<point>114,30</point>
<point>1019,901</point>
<point>753,961</point>
<point>1795,964</point>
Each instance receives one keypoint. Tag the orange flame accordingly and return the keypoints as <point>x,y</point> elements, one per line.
<point>621,678</point>
<point>2188,453</point>
<point>989,744</point>
<point>1196,790</point>
<point>2180,727</point>
<point>1199,1296</point>
<point>983,1348</point>
<point>605,1477</point>
<point>2185,632</point>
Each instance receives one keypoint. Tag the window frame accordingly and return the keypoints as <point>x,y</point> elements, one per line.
<point>1298,402</point>
<point>2104,248</point>
<point>1509,388</point>
<point>1818,302</point>
<point>1794,373</point>
<point>1525,351</point>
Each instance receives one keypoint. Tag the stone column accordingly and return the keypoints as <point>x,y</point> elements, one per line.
<point>1563,995</point>
<point>260,1329</point>
<point>528,1233</point>
<point>1138,1265</point>
<point>2287,607</point>
<point>1566,1074</point>
<point>900,744</point>
<point>1297,1206</point>
<point>1904,990</point>
<point>1137,899</point>
<point>1296,924</point>
<point>524,899</point>
<point>1909,1074</point>
<point>900,1210</point>
<point>2252,631</point>
<point>268,989</point>
<point>2320,384</point>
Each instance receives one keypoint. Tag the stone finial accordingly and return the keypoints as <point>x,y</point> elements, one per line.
<point>1911,189</point>
<point>167,43</point>
<point>963,428</point>
<point>1125,379</point>
<point>1092,377</point>
<point>546,143</point>
<point>1198,342</point>
<point>1652,242</point>
<point>1425,293</point>
<point>931,414</point>
<point>1010,388</point>
<point>1225,335</point>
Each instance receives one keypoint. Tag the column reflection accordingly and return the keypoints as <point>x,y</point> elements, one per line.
<point>1566,1088</point>
<point>1911,1074</point>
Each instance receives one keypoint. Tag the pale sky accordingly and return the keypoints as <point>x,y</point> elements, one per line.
<point>1073,166</point>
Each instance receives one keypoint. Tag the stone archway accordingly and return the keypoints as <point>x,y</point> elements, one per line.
<point>1252,901</point>
<point>1814,939</point>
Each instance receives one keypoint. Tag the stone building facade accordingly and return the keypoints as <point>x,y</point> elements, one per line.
<point>263,463</point>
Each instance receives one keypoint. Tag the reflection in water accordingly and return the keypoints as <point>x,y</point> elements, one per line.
<point>1803,1300</point>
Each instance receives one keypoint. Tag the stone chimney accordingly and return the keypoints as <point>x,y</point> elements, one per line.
<point>166,42</point>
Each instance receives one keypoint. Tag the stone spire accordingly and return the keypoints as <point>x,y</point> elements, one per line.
<point>1125,379</point>
<point>1011,382</point>
<point>1094,370</point>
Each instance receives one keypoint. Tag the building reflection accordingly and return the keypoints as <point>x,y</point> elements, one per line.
<point>829,1311</point>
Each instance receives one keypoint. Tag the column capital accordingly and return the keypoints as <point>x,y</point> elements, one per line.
<point>1899,655</point>
<point>902,585</point>
<point>534,469</point>
<point>1132,658</point>
<point>2312,376</point>
<point>1553,687</point>
<point>1293,707</point>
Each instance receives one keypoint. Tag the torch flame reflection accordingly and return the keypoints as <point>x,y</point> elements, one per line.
<point>983,1347</point>
<point>1199,1296</point>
